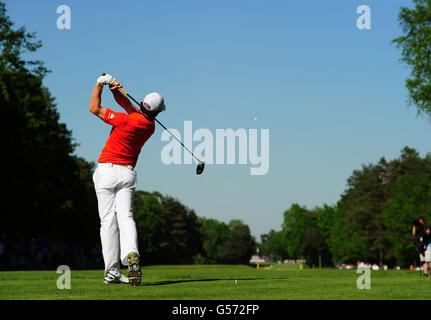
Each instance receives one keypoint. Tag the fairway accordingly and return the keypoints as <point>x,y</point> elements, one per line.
<point>218,282</point>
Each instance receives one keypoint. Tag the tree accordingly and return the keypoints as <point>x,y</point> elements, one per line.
<point>344,245</point>
<point>168,231</point>
<point>409,199</point>
<point>416,52</point>
<point>373,220</point>
<point>38,151</point>
<point>314,245</point>
<point>273,245</point>
<point>82,206</point>
<point>183,227</point>
<point>214,237</point>
<point>323,224</point>
<point>296,221</point>
<point>325,220</point>
<point>364,201</point>
<point>239,245</point>
<point>152,233</point>
<point>305,232</point>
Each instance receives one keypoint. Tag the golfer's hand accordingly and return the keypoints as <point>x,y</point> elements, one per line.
<point>105,79</point>
<point>115,86</point>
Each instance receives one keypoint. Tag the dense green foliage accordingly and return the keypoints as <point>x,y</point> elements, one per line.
<point>38,151</point>
<point>169,232</point>
<point>239,245</point>
<point>273,244</point>
<point>414,42</point>
<point>372,221</point>
<point>215,236</point>
<point>304,233</point>
<point>378,208</point>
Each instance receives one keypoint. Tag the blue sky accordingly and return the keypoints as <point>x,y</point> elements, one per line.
<point>332,96</point>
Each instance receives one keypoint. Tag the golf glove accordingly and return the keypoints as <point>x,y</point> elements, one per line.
<point>106,79</point>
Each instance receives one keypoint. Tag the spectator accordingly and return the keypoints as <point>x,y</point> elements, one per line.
<point>423,241</point>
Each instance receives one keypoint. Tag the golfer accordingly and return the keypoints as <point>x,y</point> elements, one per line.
<point>115,179</point>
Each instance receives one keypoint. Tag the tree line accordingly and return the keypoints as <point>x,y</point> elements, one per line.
<point>169,232</point>
<point>371,222</point>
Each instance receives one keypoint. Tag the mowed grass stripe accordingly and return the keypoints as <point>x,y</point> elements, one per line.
<point>219,282</point>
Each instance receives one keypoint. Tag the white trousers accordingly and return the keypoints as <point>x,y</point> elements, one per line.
<point>115,186</point>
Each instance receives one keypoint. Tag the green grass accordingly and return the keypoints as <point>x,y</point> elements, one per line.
<point>218,282</point>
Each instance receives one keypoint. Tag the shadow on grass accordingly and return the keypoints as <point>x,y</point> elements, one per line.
<point>162,283</point>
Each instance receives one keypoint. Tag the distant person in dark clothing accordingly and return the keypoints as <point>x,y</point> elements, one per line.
<point>423,241</point>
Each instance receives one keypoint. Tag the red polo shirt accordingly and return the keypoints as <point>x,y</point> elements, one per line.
<point>129,133</point>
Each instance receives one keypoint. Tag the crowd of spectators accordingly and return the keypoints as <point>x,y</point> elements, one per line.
<point>20,252</point>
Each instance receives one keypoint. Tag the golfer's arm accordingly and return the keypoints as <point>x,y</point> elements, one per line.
<point>96,99</point>
<point>124,102</point>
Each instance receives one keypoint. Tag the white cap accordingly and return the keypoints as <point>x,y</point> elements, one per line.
<point>154,102</point>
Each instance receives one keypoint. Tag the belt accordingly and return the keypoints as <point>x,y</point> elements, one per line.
<point>107,164</point>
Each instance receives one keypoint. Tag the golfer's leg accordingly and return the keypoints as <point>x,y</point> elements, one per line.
<point>126,223</point>
<point>105,191</point>
<point>108,227</point>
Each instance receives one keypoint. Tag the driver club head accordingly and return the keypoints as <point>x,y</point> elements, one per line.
<point>200,168</point>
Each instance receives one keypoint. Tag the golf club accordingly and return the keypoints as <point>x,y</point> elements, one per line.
<point>201,166</point>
